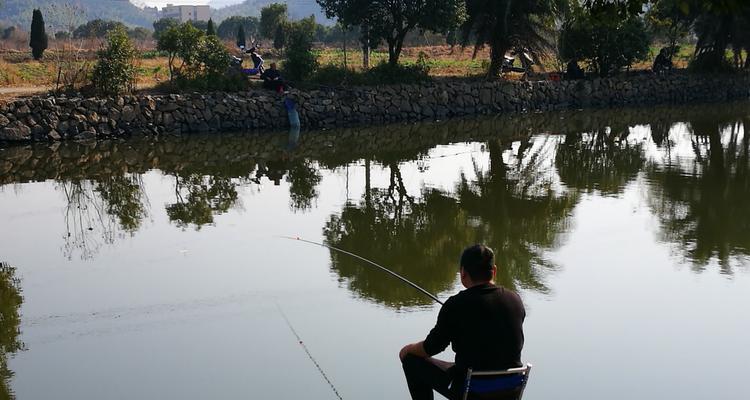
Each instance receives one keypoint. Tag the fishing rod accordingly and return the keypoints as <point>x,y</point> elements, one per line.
<point>382,268</point>
<point>309,355</point>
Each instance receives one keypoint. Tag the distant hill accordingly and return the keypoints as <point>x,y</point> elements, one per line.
<point>297,9</point>
<point>57,13</point>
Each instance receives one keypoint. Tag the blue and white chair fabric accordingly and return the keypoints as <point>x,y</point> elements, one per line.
<point>506,384</point>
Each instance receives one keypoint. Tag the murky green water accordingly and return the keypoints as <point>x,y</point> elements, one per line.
<point>151,269</point>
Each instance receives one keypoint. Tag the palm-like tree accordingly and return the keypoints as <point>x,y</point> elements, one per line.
<point>509,24</point>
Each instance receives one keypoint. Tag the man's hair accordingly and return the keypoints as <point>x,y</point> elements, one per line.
<point>478,261</point>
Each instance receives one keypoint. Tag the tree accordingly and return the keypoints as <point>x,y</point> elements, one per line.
<point>607,41</point>
<point>509,24</point>
<point>719,25</point>
<point>141,34</point>
<point>668,18</point>
<point>115,71</point>
<point>162,25</point>
<point>210,30</point>
<point>241,36</point>
<point>279,38</point>
<point>450,38</point>
<point>228,28</point>
<point>391,21</point>
<point>300,61</point>
<point>96,28</point>
<point>271,17</point>
<point>38,42</point>
<point>181,42</point>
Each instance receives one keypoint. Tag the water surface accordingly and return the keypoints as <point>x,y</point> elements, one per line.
<point>152,268</point>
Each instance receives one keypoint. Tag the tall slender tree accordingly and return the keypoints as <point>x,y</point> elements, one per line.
<point>210,29</point>
<point>241,36</point>
<point>38,42</point>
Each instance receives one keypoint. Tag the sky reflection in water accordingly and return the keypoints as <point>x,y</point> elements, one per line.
<point>150,268</point>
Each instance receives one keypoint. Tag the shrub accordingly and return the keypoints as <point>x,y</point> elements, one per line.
<point>300,61</point>
<point>382,74</point>
<point>115,70</point>
<point>608,44</point>
<point>180,41</point>
<point>197,60</point>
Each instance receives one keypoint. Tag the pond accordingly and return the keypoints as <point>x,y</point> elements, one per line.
<point>153,268</point>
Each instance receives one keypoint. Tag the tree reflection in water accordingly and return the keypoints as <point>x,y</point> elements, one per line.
<point>96,212</point>
<point>421,238</point>
<point>703,206</point>
<point>303,178</point>
<point>10,321</point>
<point>199,198</point>
<point>602,160</point>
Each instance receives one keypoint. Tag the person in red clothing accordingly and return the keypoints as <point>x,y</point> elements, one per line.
<point>484,325</point>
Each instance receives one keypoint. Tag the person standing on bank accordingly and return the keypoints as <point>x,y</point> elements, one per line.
<point>484,325</point>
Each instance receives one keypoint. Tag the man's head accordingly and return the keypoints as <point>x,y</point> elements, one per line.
<point>477,265</point>
<point>273,65</point>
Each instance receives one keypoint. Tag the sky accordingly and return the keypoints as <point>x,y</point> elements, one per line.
<point>162,3</point>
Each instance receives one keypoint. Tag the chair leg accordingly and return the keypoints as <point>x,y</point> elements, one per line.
<point>467,384</point>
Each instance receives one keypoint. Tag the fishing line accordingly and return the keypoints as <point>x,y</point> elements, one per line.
<point>382,268</point>
<point>309,355</point>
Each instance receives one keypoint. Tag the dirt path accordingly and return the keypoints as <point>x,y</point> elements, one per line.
<point>9,92</point>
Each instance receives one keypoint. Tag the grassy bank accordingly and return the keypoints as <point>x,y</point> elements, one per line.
<point>18,70</point>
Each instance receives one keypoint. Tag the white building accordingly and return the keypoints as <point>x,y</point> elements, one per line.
<point>186,13</point>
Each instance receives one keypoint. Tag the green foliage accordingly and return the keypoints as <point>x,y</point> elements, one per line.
<point>392,21</point>
<point>300,61</point>
<point>271,16</point>
<point>506,25</point>
<point>115,70</point>
<point>181,42</point>
<point>382,74</point>
<point>607,44</point>
<point>163,25</point>
<point>123,196</point>
<point>139,33</point>
<point>719,25</point>
<point>96,28</point>
<point>667,19</point>
<point>200,25</point>
<point>197,60</point>
<point>228,28</point>
<point>205,197</point>
<point>210,30</point>
<point>279,38</point>
<point>212,58</point>
<point>38,41</point>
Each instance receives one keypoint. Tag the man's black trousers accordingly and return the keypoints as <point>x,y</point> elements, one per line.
<point>423,377</point>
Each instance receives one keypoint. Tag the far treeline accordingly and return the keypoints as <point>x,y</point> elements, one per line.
<point>604,36</point>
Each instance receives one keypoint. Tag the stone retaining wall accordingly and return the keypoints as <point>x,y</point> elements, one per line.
<point>58,118</point>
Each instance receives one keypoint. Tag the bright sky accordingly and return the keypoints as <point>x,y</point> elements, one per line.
<point>162,3</point>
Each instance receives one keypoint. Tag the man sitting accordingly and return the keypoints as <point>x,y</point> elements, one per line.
<point>484,324</point>
<point>663,61</point>
<point>272,79</point>
<point>257,59</point>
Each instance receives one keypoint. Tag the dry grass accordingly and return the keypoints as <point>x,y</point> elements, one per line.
<point>17,69</point>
